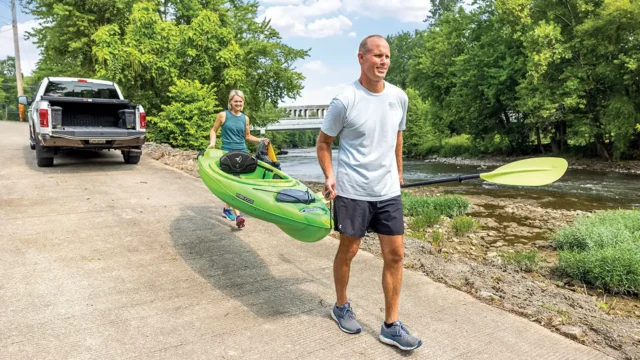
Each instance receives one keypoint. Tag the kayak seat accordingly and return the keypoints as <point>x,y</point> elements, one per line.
<point>295,196</point>
<point>238,162</point>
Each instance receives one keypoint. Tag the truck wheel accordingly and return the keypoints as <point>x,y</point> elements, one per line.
<point>44,156</point>
<point>131,157</point>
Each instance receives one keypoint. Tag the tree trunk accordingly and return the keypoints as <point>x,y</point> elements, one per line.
<point>555,139</point>
<point>601,148</point>
<point>539,139</point>
<point>564,143</point>
<point>165,10</point>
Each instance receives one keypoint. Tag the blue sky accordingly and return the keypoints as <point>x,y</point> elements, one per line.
<point>332,29</point>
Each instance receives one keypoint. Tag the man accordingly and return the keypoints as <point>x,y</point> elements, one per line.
<point>369,115</point>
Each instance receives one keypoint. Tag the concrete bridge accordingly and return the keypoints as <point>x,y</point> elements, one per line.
<point>299,117</point>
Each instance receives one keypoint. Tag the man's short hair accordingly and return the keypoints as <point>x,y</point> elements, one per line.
<point>364,44</point>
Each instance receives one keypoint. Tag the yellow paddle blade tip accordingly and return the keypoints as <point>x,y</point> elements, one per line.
<point>270,153</point>
<point>529,172</point>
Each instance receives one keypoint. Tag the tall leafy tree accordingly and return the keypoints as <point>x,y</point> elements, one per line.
<point>403,48</point>
<point>65,34</point>
<point>581,58</point>
<point>151,46</point>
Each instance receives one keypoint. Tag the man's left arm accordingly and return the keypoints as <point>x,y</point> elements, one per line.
<point>404,103</point>
<point>399,156</point>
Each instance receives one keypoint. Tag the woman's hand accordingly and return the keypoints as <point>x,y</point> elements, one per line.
<point>266,140</point>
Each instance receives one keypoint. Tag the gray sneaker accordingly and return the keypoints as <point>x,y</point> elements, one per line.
<point>399,336</point>
<point>345,318</point>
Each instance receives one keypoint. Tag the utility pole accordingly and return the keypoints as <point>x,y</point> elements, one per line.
<point>16,45</point>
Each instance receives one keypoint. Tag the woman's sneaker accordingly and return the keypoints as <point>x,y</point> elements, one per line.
<point>227,213</point>
<point>240,221</point>
<point>345,318</point>
<point>399,336</point>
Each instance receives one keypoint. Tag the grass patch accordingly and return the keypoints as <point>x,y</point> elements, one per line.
<point>427,218</point>
<point>436,238</point>
<point>524,260</point>
<point>463,224</point>
<point>427,211</point>
<point>602,250</point>
<point>449,206</point>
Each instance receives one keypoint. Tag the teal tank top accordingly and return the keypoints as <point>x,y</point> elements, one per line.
<point>233,131</point>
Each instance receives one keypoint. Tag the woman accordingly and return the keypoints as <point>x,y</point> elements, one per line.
<point>235,130</point>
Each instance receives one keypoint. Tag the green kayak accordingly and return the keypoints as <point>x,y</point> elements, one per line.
<point>264,192</point>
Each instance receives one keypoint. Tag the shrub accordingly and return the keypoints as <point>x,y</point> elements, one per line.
<point>602,250</point>
<point>456,146</point>
<point>186,122</point>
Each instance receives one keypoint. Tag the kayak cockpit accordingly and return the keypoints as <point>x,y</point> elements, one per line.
<point>244,167</point>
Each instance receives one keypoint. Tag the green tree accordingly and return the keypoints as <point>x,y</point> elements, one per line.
<point>582,62</point>
<point>187,120</point>
<point>8,89</point>
<point>149,46</point>
<point>65,36</point>
<point>419,137</point>
<point>403,47</point>
<point>269,75</point>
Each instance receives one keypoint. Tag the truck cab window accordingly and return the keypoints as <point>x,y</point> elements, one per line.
<point>75,89</point>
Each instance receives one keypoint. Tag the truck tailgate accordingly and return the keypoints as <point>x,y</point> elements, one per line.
<point>96,132</point>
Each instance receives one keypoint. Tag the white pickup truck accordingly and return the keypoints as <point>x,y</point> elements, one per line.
<point>73,113</point>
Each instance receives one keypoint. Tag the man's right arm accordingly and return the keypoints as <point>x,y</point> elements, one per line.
<point>323,149</point>
<point>332,125</point>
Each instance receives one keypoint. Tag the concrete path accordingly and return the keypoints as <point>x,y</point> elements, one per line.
<point>103,260</point>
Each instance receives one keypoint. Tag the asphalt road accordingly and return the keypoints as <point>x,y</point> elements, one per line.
<point>104,260</point>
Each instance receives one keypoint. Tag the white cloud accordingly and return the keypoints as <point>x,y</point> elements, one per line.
<point>29,53</point>
<point>352,34</point>
<point>302,19</point>
<point>403,10</point>
<point>317,96</point>
<point>323,18</point>
<point>327,27</point>
<point>315,65</point>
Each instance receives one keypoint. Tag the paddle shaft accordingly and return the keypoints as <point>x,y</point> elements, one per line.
<point>460,178</point>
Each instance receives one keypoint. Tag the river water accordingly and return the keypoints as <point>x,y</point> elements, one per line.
<point>576,190</point>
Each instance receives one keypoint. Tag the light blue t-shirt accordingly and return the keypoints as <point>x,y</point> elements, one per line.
<point>368,125</point>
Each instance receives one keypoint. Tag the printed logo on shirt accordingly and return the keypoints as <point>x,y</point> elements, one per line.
<point>393,105</point>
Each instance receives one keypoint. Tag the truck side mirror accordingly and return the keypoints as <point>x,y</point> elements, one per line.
<point>24,100</point>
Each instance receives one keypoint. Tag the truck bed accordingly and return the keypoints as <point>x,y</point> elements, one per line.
<point>87,113</point>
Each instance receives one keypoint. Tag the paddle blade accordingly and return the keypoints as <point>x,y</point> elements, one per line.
<point>528,172</point>
<point>270,153</point>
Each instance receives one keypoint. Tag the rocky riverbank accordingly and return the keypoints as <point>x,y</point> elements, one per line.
<point>478,263</point>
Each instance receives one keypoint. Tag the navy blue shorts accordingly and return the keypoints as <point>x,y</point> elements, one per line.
<point>357,217</point>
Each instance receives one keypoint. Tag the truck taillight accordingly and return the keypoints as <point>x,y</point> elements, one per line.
<point>44,117</point>
<point>143,120</point>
